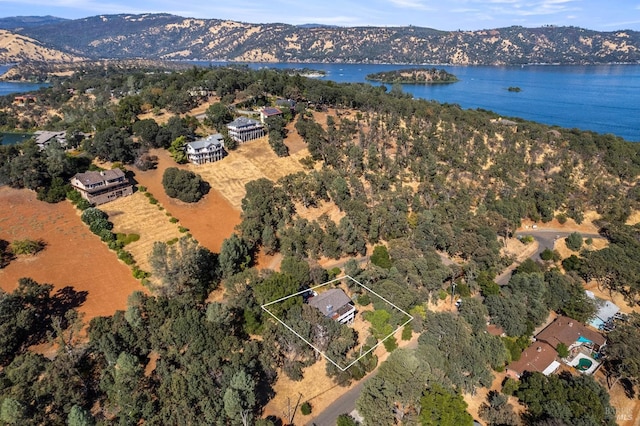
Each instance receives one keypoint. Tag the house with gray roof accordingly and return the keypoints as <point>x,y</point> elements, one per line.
<point>45,137</point>
<point>103,186</point>
<point>206,150</point>
<point>244,129</point>
<point>335,304</point>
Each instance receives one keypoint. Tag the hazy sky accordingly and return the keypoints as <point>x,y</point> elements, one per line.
<point>603,15</point>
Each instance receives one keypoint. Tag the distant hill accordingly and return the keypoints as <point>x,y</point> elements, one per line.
<point>28,21</point>
<point>164,36</point>
<point>16,48</point>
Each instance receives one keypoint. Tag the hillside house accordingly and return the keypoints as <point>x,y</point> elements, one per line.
<point>244,129</point>
<point>335,304</point>
<point>44,138</point>
<point>206,150</point>
<point>268,112</point>
<point>102,187</point>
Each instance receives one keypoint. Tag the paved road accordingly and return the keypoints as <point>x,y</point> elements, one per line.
<point>546,238</point>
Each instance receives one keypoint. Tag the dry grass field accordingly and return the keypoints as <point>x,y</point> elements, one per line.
<point>252,160</point>
<point>136,215</point>
<point>73,256</point>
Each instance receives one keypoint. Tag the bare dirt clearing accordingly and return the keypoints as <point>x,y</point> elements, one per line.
<point>73,256</point>
<point>210,220</point>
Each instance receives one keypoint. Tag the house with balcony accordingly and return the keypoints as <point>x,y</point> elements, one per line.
<point>244,129</point>
<point>206,150</point>
<point>103,186</point>
<point>334,304</point>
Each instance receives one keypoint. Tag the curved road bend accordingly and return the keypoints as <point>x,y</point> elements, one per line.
<point>546,239</point>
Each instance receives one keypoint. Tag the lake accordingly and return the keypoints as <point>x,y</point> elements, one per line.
<point>602,98</point>
<point>10,87</point>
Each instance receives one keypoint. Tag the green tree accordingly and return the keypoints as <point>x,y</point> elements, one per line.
<point>184,268</point>
<point>380,257</point>
<point>442,407</point>
<point>184,185</point>
<point>178,150</point>
<point>497,411</point>
<point>78,416</point>
<point>234,256</point>
<point>574,241</point>
<point>12,412</point>
<point>240,399</point>
<point>218,115</point>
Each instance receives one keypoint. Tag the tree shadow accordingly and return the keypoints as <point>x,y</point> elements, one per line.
<point>65,299</point>
<point>205,187</point>
<point>629,390</point>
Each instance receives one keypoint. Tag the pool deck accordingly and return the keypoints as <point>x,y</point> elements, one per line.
<point>575,361</point>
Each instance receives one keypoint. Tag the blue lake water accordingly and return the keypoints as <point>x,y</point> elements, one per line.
<point>8,88</point>
<point>602,98</point>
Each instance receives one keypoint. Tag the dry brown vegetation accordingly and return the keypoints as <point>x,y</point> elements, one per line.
<point>73,255</point>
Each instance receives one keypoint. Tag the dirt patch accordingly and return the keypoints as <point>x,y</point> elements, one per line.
<point>73,256</point>
<point>627,409</point>
<point>561,246</point>
<point>210,220</point>
<point>586,227</point>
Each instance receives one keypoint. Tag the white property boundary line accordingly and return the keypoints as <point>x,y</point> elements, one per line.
<point>264,307</point>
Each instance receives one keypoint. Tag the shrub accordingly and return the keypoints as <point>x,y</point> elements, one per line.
<point>588,241</point>
<point>173,220</point>
<point>183,229</point>
<point>380,257</point>
<point>139,274</point>
<point>28,247</point>
<point>562,218</point>
<point>442,295</point>
<point>390,344</point>
<point>184,185</point>
<point>346,420</point>
<point>563,350</point>
<point>126,257</point>
<point>93,214</point>
<point>407,332</point>
<point>364,299</point>
<point>574,241</point>
<point>305,408</point>
<point>527,239</point>
<point>510,386</point>
<point>142,188</point>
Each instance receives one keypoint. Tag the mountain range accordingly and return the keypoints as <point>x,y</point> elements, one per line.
<point>171,37</point>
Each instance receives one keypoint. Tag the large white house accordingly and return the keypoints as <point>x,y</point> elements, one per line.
<point>206,150</point>
<point>244,129</point>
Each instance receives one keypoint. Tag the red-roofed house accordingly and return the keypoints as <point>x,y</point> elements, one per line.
<point>267,112</point>
<point>540,357</point>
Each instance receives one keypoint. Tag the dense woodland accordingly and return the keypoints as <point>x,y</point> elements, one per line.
<point>412,178</point>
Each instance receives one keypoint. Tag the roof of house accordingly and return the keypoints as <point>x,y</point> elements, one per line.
<point>567,330</point>
<point>269,111</point>
<point>330,301</point>
<point>538,357</point>
<point>244,122</point>
<point>89,178</point>
<point>286,102</point>
<point>44,136</point>
<point>216,139</point>
<point>606,308</point>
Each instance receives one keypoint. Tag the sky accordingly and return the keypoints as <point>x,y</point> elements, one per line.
<point>601,15</point>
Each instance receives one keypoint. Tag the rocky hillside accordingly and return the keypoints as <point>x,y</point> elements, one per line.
<point>163,36</point>
<point>18,48</point>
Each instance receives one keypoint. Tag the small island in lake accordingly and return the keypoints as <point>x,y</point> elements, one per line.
<point>414,76</point>
<point>514,89</point>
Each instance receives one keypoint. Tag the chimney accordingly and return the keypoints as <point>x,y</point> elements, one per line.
<point>329,309</point>
<point>539,348</point>
<point>571,324</point>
